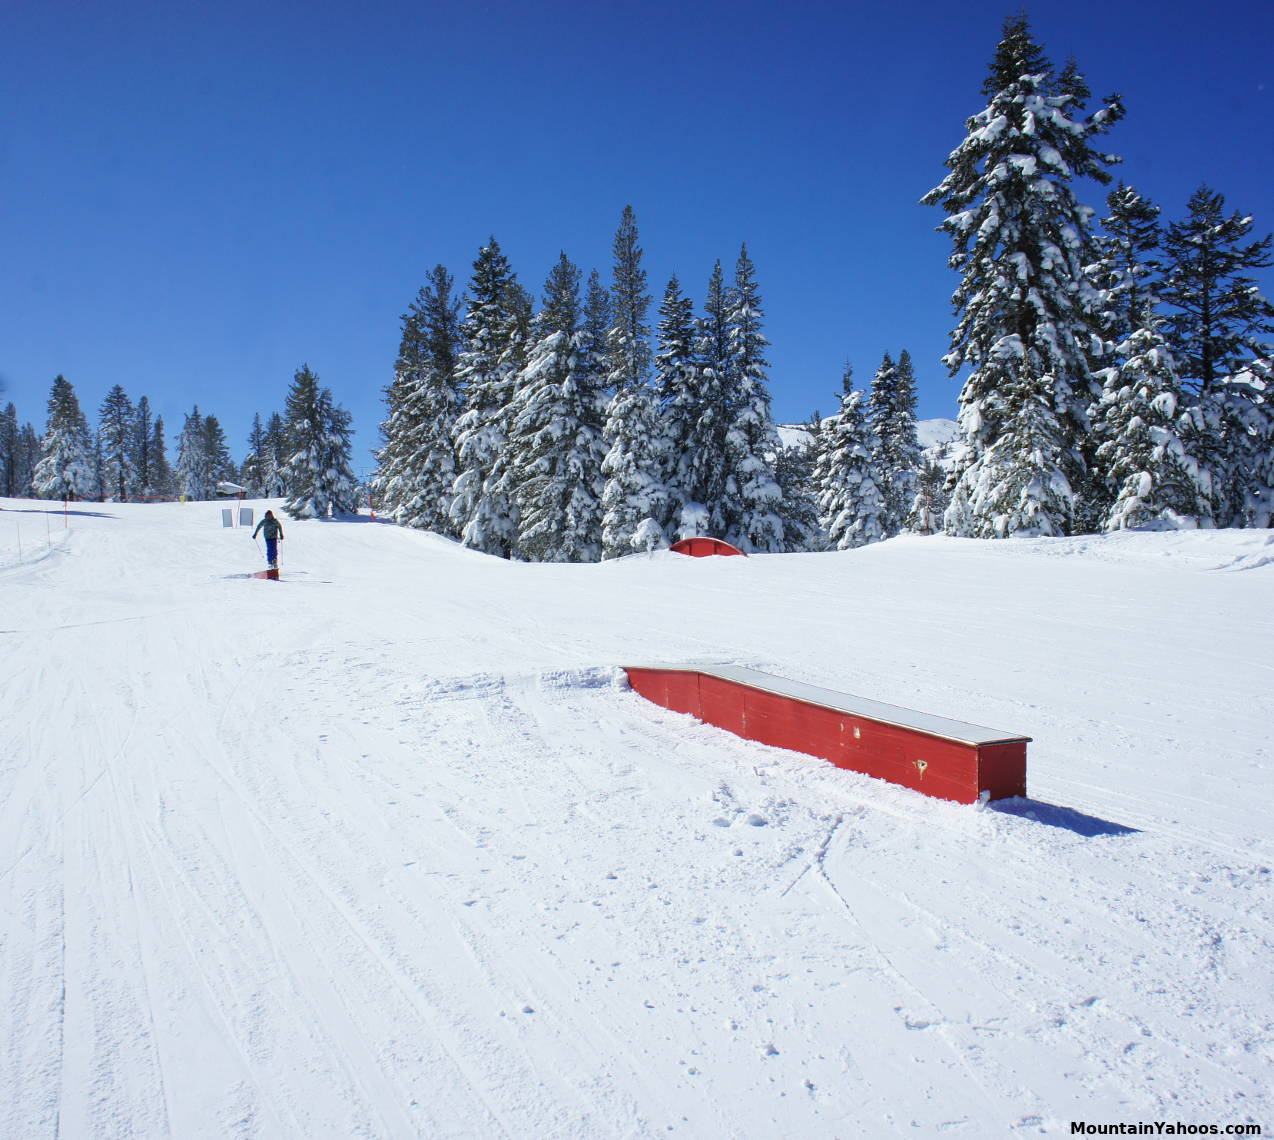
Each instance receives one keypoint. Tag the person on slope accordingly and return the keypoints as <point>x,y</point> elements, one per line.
<point>273,536</point>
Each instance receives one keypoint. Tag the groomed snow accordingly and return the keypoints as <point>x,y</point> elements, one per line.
<point>388,849</point>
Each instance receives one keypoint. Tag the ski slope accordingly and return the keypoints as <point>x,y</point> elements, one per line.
<point>388,849</point>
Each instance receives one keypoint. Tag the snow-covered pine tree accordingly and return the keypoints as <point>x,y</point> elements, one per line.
<point>253,467</point>
<point>679,397</point>
<point>319,479</point>
<point>629,340</point>
<point>9,451</point>
<point>1247,400</point>
<point>416,467</point>
<point>635,498</point>
<point>163,479</point>
<point>276,457</point>
<point>698,423</point>
<point>218,451</point>
<point>196,474</point>
<point>65,469</point>
<point>930,500</point>
<point>142,446</point>
<point>892,413</point>
<point>753,509</point>
<point>1217,316</point>
<point>116,428</point>
<point>1028,309</point>
<point>851,505</point>
<point>794,473</point>
<point>554,445</point>
<point>1125,267</point>
<point>482,510</point>
<point>28,458</point>
<point>1143,454</point>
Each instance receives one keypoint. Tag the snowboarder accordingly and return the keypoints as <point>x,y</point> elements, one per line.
<point>273,536</point>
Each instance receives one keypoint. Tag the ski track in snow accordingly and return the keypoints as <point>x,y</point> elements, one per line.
<point>388,849</point>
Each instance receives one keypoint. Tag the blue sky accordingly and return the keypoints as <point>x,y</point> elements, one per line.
<point>200,197</point>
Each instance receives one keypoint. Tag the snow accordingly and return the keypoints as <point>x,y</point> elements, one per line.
<point>389,849</point>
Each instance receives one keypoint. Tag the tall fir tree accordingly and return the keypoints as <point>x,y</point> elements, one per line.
<point>930,499</point>
<point>629,339</point>
<point>635,498</point>
<point>163,479</point>
<point>892,413</point>
<point>1027,307</point>
<point>117,433</point>
<point>65,469</point>
<point>320,481</point>
<point>679,398</point>
<point>275,463</point>
<point>1217,317</point>
<point>252,470</point>
<point>555,447</point>
<point>1144,454</point>
<point>851,505</point>
<point>753,509</point>
<point>416,467</point>
<point>1125,269</point>
<point>492,354</point>
<point>9,445</point>
<point>592,351</point>
<point>1247,398</point>
<point>28,458</point>
<point>196,468</point>
<point>142,447</point>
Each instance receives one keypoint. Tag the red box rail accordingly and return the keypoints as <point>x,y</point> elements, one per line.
<point>947,759</point>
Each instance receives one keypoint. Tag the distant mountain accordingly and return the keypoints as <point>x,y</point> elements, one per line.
<point>931,433</point>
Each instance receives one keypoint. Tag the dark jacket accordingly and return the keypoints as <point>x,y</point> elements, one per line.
<point>272,527</point>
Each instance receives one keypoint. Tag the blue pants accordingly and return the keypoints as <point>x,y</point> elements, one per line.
<point>272,551</point>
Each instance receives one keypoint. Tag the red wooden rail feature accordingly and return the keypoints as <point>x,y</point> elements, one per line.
<point>947,759</point>
<point>703,547</point>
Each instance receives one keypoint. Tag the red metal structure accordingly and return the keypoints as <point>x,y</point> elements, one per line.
<point>947,759</point>
<point>703,547</point>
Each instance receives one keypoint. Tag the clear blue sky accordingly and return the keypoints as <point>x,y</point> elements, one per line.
<point>197,198</point>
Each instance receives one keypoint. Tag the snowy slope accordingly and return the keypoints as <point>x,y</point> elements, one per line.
<point>387,848</point>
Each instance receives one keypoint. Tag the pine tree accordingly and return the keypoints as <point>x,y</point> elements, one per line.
<point>65,469</point>
<point>417,467</point>
<point>116,433</point>
<point>1246,400</point>
<point>490,360</point>
<point>9,436</point>
<point>1028,310</point>
<point>892,413</point>
<point>635,498</point>
<point>142,448</point>
<point>930,500</point>
<point>1125,268</point>
<point>679,396</point>
<point>274,485</point>
<point>851,505</point>
<point>753,510</point>
<point>794,473</point>
<point>28,458</point>
<point>1217,315</point>
<point>629,339</point>
<point>699,415</point>
<point>318,476</point>
<point>220,465</point>
<point>1143,454</point>
<point>252,472</point>
<point>555,448</point>
<point>195,467</point>
<point>162,478</point>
